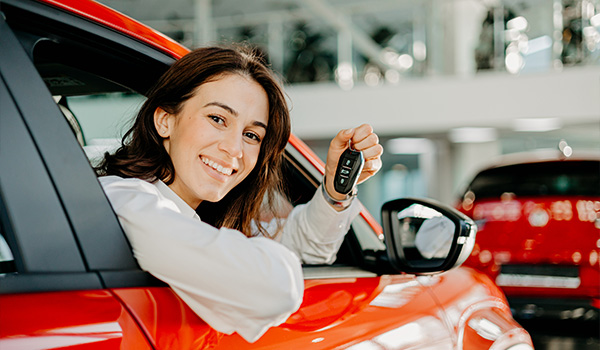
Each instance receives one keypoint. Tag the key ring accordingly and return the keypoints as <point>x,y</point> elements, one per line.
<point>350,146</point>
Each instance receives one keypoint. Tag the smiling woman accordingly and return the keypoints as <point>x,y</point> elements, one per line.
<point>197,171</point>
<point>145,153</point>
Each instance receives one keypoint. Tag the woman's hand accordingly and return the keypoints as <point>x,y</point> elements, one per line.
<point>363,139</point>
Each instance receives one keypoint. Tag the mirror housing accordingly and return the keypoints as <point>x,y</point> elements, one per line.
<point>423,236</point>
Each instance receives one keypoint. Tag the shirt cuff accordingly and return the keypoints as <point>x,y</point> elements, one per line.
<point>329,221</point>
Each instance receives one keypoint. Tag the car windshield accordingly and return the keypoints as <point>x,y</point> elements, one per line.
<point>572,178</point>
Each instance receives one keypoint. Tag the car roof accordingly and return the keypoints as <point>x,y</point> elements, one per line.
<point>541,156</point>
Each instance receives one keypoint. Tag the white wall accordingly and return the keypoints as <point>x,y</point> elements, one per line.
<point>438,104</point>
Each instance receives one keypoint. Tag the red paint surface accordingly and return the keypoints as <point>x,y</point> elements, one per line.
<point>85,320</point>
<point>552,231</point>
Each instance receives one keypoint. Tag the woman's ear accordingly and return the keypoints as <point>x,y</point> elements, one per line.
<point>162,122</point>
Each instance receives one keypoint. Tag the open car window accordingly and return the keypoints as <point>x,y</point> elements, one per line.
<point>101,120</point>
<point>99,93</point>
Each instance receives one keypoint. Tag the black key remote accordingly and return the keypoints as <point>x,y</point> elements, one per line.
<point>348,169</point>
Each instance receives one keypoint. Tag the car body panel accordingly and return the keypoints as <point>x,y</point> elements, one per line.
<point>85,320</point>
<point>387,312</point>
<point>338,312</point>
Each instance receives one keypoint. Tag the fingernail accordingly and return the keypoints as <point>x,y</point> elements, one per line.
<point>347,131</point>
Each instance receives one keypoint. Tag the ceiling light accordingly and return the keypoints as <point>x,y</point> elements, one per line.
<point>595,21</point>
<point>518,23</point>
<point>408,145</point>
<point>472,135</point>
<point>536,124</point>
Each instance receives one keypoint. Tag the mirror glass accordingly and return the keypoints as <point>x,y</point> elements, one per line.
<point>425,235</point>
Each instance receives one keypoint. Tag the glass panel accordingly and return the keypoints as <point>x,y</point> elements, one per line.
<point>425,234</point>
<point>103,120</point>
<point>7,260</point>
<point>571,178</point>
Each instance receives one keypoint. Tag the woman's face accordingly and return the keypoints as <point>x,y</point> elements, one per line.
<point>214,142</point>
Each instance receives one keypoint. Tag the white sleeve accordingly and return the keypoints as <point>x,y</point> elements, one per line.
<point>235,284</point>
<point>315,231</point>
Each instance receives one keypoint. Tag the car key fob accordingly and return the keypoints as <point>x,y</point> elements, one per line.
<point>348,169</point>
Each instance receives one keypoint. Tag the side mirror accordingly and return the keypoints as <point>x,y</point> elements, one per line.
<point>424,236</point>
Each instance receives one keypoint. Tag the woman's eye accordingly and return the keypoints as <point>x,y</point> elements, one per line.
<point>252,136</point>
<point>217,119</point>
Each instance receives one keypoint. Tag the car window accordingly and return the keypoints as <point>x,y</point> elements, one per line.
<point>366,238</point>
<point>568,178</point>
<point>7,260</point>
<point>103,119</point>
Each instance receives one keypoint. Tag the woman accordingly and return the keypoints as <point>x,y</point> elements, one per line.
<point>206,147</point>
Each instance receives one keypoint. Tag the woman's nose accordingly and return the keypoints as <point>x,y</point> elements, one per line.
<point>232,145</point>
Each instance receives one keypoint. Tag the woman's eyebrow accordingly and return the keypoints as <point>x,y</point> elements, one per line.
<point>260,124</point>
<point>224,106</point>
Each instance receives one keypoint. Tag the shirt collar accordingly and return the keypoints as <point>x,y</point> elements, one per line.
<point>184,208</point>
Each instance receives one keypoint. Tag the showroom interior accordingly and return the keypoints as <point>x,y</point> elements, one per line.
<point>448,85</point>
<point>480,231</point>
<point>451,87</point>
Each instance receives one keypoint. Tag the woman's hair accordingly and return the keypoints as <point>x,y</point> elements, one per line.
<point>142,154</point>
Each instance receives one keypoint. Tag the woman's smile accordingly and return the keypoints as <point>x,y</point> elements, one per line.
<point>220,169</point>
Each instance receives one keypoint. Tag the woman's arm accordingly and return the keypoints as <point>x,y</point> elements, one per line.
<point>315,230</point>
<point>233,283</point>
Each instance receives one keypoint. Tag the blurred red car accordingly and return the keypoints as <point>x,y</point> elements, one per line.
<point>539,232</point>
<point>68,277</point>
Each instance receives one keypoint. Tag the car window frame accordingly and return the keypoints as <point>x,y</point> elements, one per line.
<point>37,269</point>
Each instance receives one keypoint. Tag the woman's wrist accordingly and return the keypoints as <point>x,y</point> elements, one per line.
<point>338,204</point>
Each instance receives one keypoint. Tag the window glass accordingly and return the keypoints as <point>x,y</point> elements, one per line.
<point>104,119</point>
<point>7,260</point>
<point>366,238</point>
<point>572,178</point>
<point>5,252</point>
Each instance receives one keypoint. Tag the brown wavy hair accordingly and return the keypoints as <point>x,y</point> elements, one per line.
<point>142,154</point>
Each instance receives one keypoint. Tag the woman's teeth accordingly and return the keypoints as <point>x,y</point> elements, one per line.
<point>217,167</point>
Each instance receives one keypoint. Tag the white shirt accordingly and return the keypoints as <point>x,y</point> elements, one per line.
<point>234,283</point>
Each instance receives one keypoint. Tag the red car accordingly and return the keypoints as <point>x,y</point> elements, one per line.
<point>539,232</point>
<point>68,278</point>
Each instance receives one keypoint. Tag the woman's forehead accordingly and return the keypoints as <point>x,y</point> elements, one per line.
<point>235,94</point>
